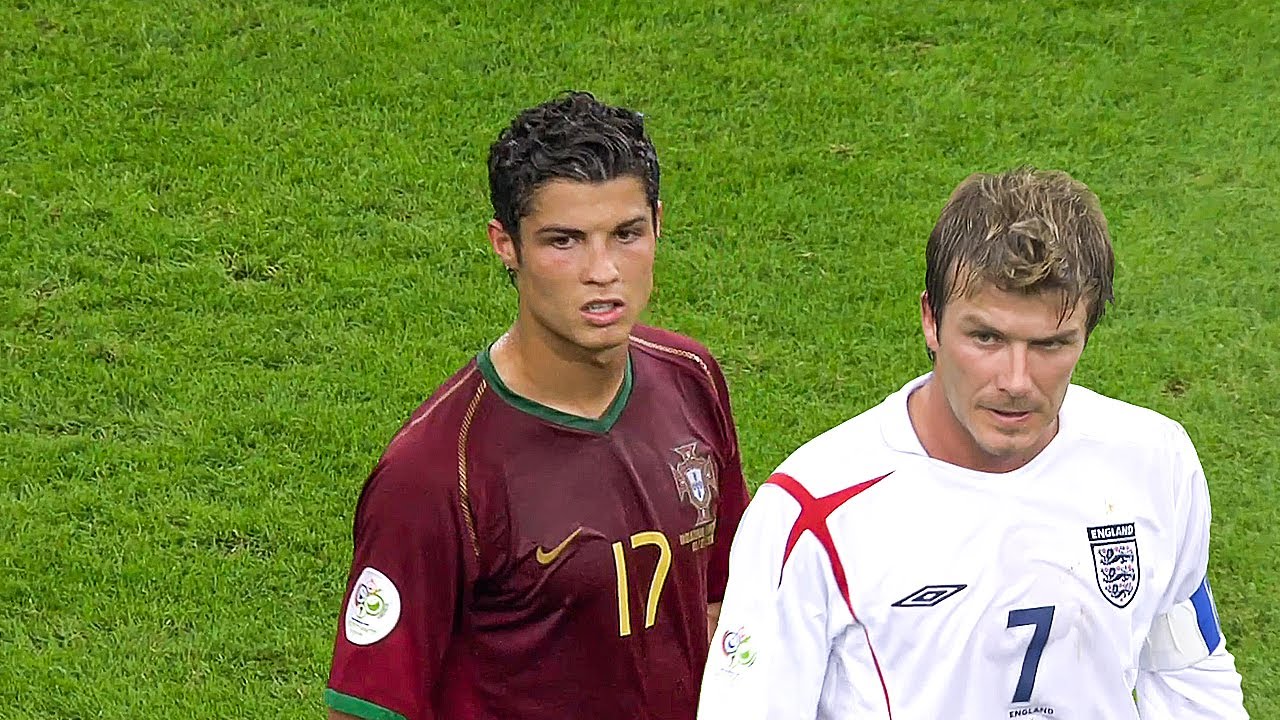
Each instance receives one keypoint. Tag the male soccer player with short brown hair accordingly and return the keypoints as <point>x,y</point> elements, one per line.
<point>991,541</point>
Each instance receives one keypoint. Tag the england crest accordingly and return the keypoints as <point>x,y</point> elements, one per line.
<point>695,477</point>
<point>1115,562</point>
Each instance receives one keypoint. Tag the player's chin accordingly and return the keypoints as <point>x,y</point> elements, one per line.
<point>1001,442</point>
<point>600,339</point>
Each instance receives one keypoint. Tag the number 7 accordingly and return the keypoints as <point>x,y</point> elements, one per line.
<point>1042,618</point>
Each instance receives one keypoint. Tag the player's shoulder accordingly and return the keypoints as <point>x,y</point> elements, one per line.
<point>1105,420</point>
<point>850,453</point>
<point>673,351</point>
<point>434,427</point>
<point>417,476</point>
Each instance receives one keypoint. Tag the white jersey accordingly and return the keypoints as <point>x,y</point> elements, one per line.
<point>868,580</point>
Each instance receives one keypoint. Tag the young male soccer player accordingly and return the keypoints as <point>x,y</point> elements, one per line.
<point>991,541</point>
<point>547,537</point>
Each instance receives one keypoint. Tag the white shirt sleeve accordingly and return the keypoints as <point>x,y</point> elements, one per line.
<point>769,654</point>
<point>1185,670</point>
<point>1209,689</point>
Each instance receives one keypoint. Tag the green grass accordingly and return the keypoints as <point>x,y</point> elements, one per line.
<point>240,242</point>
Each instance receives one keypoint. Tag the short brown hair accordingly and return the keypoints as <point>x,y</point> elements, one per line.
<point>1025,230</point>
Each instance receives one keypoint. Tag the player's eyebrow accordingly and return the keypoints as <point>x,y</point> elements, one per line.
<point>629,224</point>
<point>574,232</point>
<point>560,230</point>
<point>975,323</point>
<point>1064,336</point>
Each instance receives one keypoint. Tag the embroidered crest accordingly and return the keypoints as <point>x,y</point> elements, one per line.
<point>695,477</point>
<point>1115,561</point>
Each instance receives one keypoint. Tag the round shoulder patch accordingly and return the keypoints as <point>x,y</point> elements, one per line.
<point>373,610</point>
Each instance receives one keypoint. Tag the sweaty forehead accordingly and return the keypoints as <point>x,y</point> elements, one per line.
<point>1032,313</point>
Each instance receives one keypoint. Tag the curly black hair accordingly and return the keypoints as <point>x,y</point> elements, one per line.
<point>574,137</point>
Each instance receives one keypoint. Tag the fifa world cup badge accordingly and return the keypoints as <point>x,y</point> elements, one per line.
<point>735,646</point>
<point>373,609</point>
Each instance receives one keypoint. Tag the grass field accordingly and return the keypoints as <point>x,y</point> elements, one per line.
<point>241,241</point>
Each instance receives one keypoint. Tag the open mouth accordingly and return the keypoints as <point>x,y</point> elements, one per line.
<point>603,312</point>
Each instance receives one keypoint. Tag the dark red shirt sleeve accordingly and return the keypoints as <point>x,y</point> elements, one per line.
<point>404,591</point>
<point>733,491</point>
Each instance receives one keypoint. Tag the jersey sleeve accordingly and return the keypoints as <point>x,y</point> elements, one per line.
<point>403,593</point>
<point>733,491</point>
<point>769,654</point>
<point>1185,669</point>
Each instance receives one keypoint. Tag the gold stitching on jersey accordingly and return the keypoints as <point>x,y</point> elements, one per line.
<point>684,354</point>
<point>443,396</point>
<point>464,498</point>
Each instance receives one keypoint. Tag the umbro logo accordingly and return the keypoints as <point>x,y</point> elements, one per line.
<point>929,595</point>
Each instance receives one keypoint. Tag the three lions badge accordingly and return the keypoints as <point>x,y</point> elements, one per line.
<point>1115,561</point>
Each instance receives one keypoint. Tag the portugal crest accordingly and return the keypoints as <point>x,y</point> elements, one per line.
<point>695,477</point>
<point>1115,562</point>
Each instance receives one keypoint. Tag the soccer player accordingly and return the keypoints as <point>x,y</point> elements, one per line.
<point>547,537</point>
<point>991,541</point>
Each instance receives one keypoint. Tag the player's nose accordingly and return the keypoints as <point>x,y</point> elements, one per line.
<point>1015,375</point>
<point>601,265</point>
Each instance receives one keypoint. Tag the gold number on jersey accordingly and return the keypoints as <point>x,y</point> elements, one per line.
<point>624,597</point>
<point>640,539</point>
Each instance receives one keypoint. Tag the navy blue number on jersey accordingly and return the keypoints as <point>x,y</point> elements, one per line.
<point>1042,618</point>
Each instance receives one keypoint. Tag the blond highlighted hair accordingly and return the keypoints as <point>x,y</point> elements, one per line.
<point>1025,230</point>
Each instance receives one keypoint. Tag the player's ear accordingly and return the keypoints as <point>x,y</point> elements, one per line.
<point>928,323</point>
<point>657,221</point>
<point>503,244</point>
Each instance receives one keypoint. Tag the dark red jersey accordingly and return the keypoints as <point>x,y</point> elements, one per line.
<point>513,562</point>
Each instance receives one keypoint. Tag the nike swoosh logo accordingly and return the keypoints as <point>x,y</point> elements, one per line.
<point>546,557</point>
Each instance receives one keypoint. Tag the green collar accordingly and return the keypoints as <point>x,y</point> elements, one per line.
<point>538,410</point>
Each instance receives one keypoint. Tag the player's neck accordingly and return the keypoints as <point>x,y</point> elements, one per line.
<point>553,372</point>
<point>944,438</point>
